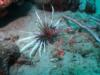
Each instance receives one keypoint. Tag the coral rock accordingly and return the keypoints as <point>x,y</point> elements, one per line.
<point>9,53</point>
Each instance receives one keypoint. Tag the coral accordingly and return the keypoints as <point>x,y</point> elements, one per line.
<point>42,1</point>
<point>9,53</point>
<point>83,27</point>
<point>5,3</point>
<point>90,6</point>
<point>60,5</point>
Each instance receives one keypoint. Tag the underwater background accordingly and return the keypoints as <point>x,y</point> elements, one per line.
<point>50,40</point>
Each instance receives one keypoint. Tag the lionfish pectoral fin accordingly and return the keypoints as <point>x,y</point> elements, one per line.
<point>24,39</point>
<point>40,49</point>
<point>28,45</point>
<point>34,48</point>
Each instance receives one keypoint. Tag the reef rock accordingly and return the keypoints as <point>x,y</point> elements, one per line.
<point>42,1</point>
<point>9,53</point>
<point>59,5</point>
<point>90,6</point>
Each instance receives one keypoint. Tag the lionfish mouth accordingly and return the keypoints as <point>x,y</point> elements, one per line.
<point>47,35</point>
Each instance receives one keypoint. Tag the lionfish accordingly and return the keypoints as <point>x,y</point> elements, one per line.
<point>41,39</point>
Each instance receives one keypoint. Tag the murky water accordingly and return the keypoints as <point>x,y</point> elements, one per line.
<point>75,50</point>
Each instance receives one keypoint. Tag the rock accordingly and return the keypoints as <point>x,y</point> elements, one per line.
<point>9,53</point>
